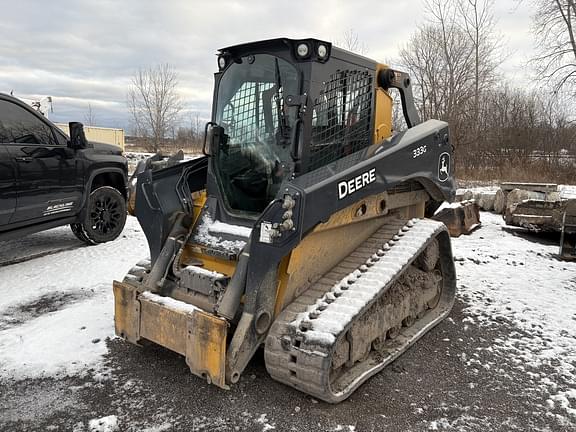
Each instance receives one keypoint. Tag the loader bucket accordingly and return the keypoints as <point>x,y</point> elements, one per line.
<point>460,218</point>
<point>155,162</point>
<point>178,326</point>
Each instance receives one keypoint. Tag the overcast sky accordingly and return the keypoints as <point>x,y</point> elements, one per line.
<point>85,52</point>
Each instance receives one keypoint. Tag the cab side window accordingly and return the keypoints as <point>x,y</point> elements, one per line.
<point>341,117</point>
<point>17,125</point>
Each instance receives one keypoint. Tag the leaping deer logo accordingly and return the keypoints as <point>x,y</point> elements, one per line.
<point>444,167</point>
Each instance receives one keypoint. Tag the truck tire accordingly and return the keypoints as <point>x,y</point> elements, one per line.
<point>104,218</point>
<point>78,231</point>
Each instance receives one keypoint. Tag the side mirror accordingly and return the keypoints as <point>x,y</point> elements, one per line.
<point>77,136</point>
<point>214,139</point>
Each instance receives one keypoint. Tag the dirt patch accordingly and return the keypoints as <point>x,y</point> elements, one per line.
<point>44,304</point>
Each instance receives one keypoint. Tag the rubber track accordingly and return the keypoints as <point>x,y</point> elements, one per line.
<point>301,342</point>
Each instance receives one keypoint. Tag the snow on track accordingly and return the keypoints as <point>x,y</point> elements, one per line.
<point>69,339</point>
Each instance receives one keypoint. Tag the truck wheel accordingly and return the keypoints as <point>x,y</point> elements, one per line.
<point>104,218</point>
<point>78,231</point>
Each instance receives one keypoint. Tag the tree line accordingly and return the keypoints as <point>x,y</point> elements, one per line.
<point>499,129</point>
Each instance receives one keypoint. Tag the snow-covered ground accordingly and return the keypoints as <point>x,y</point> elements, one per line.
<point>512,278</point>
<point>56,314</point>
<point>566,191</point>
<point>56,311</point>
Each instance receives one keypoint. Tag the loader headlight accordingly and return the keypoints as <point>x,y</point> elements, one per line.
<point>322,51</point>
<point>303,50</point>
<point>221,62</point>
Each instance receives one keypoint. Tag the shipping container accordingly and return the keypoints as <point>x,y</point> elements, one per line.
<point>99,134</point>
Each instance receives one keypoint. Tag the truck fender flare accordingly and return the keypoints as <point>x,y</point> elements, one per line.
<point>88,185</point>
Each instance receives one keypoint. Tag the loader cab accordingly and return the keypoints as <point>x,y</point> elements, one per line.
<point>284,108</point>
<point>252,158</point>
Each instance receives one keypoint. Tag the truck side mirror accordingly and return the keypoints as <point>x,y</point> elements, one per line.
<point>77,136</point>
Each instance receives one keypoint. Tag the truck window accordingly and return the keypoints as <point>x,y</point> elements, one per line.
<point>17,125</point>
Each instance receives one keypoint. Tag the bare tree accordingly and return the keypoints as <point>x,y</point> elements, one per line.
<point>439,57</point>
<point>555,30</point>
<point>499,132</point>
<point>90,117</point>
<point>477,21</point>
<point>351,41</point>
<point>452,59</point>
<point>154,103</point>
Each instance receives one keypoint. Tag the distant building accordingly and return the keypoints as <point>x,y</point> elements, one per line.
<point>100,134</point>
<point>93,133</point>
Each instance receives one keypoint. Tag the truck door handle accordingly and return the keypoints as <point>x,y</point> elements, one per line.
<point>24,159</point>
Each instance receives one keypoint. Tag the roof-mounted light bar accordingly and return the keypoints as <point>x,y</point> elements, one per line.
<point>302,50</point>
<point>311,49</point>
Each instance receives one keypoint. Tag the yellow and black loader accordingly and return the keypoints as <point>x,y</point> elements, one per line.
<point>304,229</point>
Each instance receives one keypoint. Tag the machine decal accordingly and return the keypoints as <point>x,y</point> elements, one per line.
<point>266,230</point>
<point>419,151</point>
<point>444,167</point>
<point>348,187</point>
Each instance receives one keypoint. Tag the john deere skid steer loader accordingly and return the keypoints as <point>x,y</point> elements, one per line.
<point>302,230</point>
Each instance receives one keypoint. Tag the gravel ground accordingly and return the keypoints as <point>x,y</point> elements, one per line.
<point>456,378</point>
<point>428,388</point>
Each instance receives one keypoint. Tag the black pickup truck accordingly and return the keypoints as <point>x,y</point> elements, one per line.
<point>48,179</point>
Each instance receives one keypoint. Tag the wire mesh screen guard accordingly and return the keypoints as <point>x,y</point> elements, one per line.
<point>245,118</point>
<point>341,118</point>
